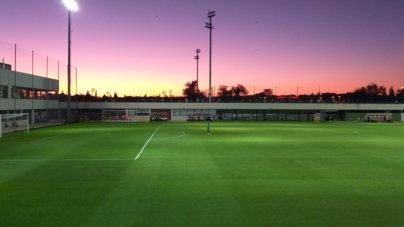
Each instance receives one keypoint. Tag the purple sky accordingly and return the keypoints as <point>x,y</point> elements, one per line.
<point>138,47</point>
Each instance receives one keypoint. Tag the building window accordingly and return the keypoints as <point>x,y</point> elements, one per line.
<point>20,93</point>
<point>3,91</point>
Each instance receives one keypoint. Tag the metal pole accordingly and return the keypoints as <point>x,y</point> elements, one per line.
<point>76,91</point>
<point>15,81</point>
<point>58,93</point>
<point>210,60</point>
<point>32,90</point>
<point>197,74</point>
<point>210,26</point>
<point>68,70</point>
<point>46,92</point>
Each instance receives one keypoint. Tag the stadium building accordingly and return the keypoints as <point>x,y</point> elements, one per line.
<point>31,94</point>
<point>38,97</point>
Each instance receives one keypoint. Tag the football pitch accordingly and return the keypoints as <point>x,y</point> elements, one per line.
<point>175,174</point>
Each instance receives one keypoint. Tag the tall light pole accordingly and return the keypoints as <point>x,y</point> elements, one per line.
<point>197,81</point>
<point>71,5</point>
<point>210,26</point>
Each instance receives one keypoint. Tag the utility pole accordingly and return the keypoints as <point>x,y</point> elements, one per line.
<point>210,26</point>
<point>197,81</point>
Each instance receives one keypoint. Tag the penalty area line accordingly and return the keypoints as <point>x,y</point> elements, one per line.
<point>147,143</point>
<point>389,137</point>
<point>48,138</point>
<point>52,160</point>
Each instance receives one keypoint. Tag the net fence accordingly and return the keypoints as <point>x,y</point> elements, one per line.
<point>14,123</point>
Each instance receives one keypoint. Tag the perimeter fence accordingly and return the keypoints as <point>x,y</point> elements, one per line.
<point>33,83</point>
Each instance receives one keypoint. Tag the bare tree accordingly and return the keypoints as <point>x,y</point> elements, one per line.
<point>223,91</point>
<point>268,92</point>
<point>361,90</point>
<point>239,89</point>
<point>391,92</point>
<point>382,91</point>
<point>372,89</point>
<point>190,90</point>
<point>400,92</point>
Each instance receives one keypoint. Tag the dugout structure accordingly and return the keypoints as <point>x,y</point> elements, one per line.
<point>317,117</point>
<point>14,123</point>
<point>118,115</point>
<point>160,115</point>
<point>377,117</point>
<point>200,117</point>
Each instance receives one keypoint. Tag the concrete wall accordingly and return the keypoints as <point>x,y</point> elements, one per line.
<point>28,104</point>
<point>178,118</point>
<point>27,81</point>
<point>234,106</point>
<point>283,108</point>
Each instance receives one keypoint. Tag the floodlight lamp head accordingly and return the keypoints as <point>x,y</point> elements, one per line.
<point>196,57</point>
<point>211,14</point>
<point>71,5</point>
<point>198,51</point>
<point>208,25</point>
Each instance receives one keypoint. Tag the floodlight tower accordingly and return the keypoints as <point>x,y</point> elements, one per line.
<point>210,26</point>
<point>197,81</point>
<point>71,5</point>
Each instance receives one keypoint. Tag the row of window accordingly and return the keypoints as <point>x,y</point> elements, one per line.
<point>27,93</point>
<point>185,112</point>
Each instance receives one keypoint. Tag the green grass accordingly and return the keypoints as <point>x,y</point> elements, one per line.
<point>242,174</point>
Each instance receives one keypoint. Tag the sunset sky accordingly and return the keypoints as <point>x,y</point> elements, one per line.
<point>137,47</point>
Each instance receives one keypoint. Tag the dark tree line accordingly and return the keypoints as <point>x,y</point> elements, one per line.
<point>239,93</point>
<point>225,92</point>
<point>373,90</point>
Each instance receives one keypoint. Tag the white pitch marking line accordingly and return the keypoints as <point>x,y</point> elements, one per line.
<point>13,142</point>
<point>48,138</point>
<point>47,160</point>
<point>183,134</point>
<point>12,134</point>
<point>147,143</point>
<point>377,135</point>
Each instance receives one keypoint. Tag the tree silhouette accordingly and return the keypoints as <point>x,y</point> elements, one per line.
<point>382,91</point>
<point>239,89</point>
<point>268,92</point>
<point>400,92</point>
<point>391,92</point>
<point>190,90</point>
<point>88,96</point>
<point>223,91</point>
<point>372,89</point>
<point>361,90</point>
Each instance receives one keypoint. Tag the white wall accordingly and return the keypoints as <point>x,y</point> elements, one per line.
<point>179,118</point>
<point>233,106</point>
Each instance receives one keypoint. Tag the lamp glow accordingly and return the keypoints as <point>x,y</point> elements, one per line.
<point>71,5</point>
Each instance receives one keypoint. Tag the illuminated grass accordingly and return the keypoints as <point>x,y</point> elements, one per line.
<point>242,174</point>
